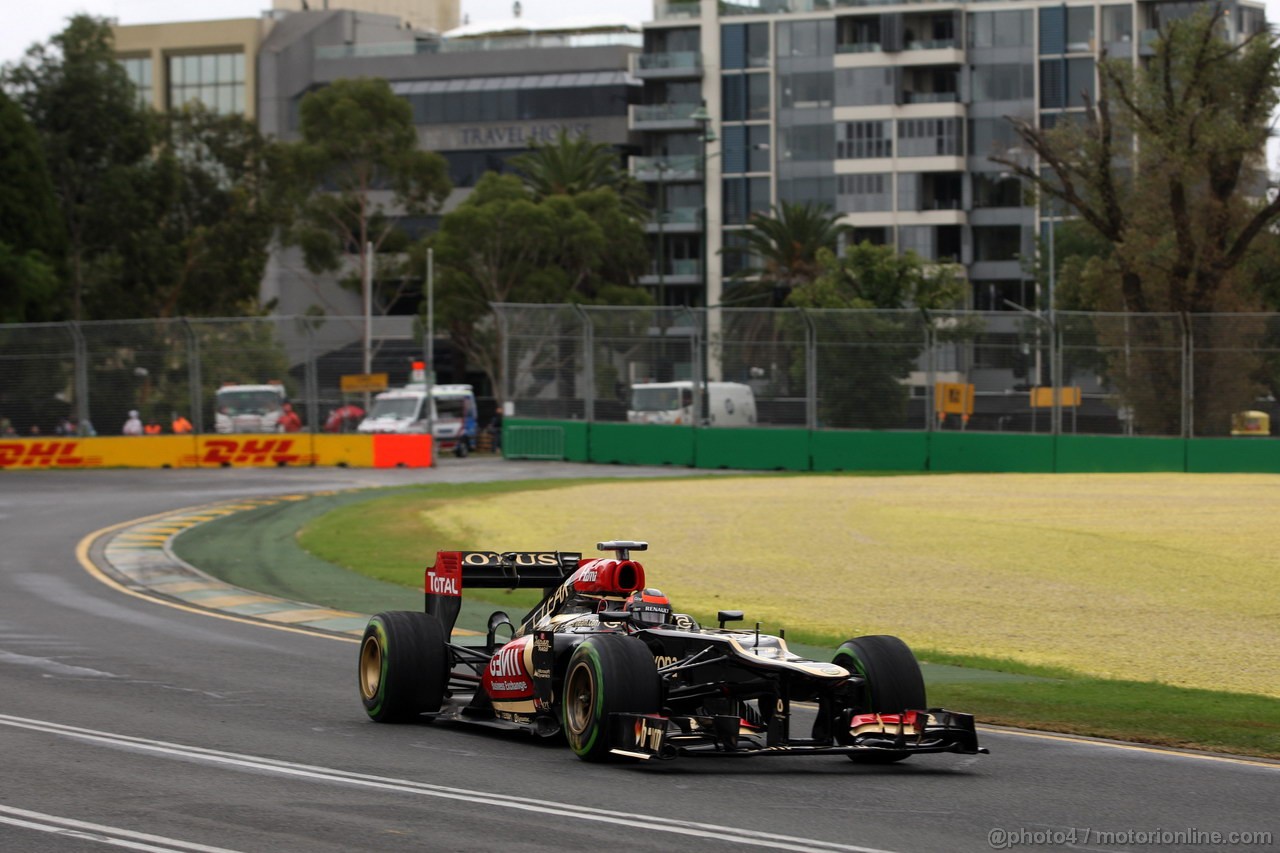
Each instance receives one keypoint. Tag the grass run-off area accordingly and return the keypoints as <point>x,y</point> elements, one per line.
<point>1148,604</point>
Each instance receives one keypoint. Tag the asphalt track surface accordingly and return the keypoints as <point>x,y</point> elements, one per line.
<point>128,724</point>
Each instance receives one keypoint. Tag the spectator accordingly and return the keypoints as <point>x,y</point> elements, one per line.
<point>6,427</point>
<point>65,427</point>
<point>133,426</point>
<point>181,426</point>
<point>344,418</point>
<point>35,429</point>
<point>289,420</point>
<point>152,428</point>
<point>82,428</point>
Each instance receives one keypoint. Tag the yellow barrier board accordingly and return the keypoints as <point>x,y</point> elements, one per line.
<point>352,450</point>
<point>359,383</point>
<point>953,398</point>
<point>147,451</point>
<point>1042,396</point>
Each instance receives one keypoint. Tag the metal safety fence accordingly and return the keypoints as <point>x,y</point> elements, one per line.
<point>87,378</point>
<point>1074,372</point>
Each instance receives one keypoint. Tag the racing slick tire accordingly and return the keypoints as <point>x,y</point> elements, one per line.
<point>893,681</point>
<point>403,667</point>
<point>607,673</point>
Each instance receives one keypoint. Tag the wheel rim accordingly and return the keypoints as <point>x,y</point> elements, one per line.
<point>579,699</point>
<point>370,667</point>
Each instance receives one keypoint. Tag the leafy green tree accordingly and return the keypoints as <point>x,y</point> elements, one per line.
<point>358,146</point>
<point>865,354</point>
<point>95,137</point>
<point>1165,171</point>
<point>31,236</point>
<point>504,244</point>
<point>210,191</point>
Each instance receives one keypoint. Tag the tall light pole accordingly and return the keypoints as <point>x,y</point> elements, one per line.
<point>706,135</point>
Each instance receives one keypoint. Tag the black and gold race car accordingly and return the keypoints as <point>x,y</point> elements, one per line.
<point>604,660</point>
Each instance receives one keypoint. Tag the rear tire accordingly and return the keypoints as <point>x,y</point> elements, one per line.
<point>607,673</point>
<point>893,682</point>
<point>403,667</point>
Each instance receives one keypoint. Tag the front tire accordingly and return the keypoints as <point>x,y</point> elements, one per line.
<point>403,667</point>
<point>607,673</point>
<point>893,681</point>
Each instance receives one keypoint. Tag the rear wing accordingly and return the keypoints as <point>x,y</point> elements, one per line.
<point>444,581</point>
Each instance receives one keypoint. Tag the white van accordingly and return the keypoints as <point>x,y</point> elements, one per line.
<point>248,408</point>
<point>404,410</point>
<point>732,403</point>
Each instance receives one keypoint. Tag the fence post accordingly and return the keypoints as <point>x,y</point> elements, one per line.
<point>699,365</point>
<point>195,389</point>
<point>504,365</point>
<point>1188,378</point>
<point>588,365</point>
<point>810,370</point>
<point>311,379</point>
<point>1055,373</point>
<point>80,354</point>
<point>930,369</point>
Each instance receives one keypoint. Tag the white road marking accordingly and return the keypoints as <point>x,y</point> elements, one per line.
<point>112,835</point>
<point>651,823</point>
<point>53,666</point>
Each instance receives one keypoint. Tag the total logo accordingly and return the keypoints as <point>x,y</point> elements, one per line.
<point>252,451</point>
<point>442,584</point>
<point>45,454</point>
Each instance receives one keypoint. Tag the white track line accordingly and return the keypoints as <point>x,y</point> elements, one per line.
<point>85,831</point>
<point>406,786</point>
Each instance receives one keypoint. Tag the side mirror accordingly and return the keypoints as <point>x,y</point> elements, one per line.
<point>496,620</point>
<point>729,616</point>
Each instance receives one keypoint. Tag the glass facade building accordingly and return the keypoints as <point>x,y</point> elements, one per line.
<point>887,114</point>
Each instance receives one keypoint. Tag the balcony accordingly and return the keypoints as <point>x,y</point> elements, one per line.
<point>668,65</point>
<point>685,167</point>
<point>685,271</point>
<point>677,220</point>
<point>676,10</point>
<point>664,116</point>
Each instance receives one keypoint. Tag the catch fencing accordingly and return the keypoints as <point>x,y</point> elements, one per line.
<point>1089,373</point>
<point>1075,372</point>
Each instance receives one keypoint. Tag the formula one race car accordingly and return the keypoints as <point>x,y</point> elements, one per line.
<point>604,660</point>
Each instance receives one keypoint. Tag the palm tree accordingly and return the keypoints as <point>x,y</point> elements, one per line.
<point>784,248</point>
<point>576,165</point>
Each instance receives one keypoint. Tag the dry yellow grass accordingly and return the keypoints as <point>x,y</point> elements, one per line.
<point>1161,577</point>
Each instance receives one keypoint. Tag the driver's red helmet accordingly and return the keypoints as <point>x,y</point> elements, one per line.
<point>649,607</point>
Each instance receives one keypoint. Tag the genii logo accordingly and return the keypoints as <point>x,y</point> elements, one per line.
<point>44,454</point>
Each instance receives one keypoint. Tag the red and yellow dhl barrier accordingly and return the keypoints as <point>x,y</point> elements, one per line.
<point>218,451</point>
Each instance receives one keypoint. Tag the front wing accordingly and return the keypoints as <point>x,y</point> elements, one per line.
<point>655,736</point>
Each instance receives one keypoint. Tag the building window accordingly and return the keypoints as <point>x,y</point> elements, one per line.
<point>863,87</point>
<point>138,70</point>
<point>930,242</point>
<point>996,189</point>
<point>988,136</point>
<point>744,197</point>
<point>805,91</point>
<point>997,242</point>
<point>1000,29</point>
<point>861,140</point>
<point>1012,82</point>
<point>1079,82</point>
<point>869,193</point>
<point>806,142</point>
<point>929,137</point>
<point>1079,29</point>
<point>807,38</point>
<point>815,191</point>
<point>214,79</point>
